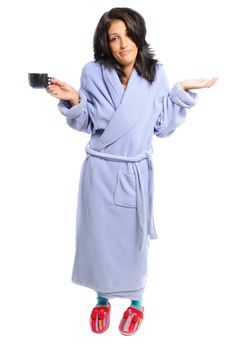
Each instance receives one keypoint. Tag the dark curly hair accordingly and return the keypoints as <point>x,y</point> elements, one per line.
<point>146,63</point>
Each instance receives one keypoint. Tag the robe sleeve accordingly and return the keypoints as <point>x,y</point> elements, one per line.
<point>81,116</point>
<point>172,107</point>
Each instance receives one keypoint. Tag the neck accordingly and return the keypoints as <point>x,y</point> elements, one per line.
<point>127,71</point>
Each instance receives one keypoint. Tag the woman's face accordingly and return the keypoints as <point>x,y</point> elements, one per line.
<point>123,49</point>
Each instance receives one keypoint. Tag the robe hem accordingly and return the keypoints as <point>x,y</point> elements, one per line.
<point>105,291</point>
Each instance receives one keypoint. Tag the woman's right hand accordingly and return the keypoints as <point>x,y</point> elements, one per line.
<point>63,91</point>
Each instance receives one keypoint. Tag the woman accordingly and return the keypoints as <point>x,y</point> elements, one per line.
<point>123,100</point>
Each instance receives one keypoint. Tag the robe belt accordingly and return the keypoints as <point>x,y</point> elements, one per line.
<point>145,219</point>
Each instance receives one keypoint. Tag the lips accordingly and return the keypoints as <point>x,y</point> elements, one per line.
<point>124,52</point>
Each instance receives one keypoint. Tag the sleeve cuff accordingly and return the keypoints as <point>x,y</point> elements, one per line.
<point>71,112</point>
<point>182,98</point>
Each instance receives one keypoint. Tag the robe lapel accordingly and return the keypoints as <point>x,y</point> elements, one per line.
<point>114,87</point>
<point>129,104</point>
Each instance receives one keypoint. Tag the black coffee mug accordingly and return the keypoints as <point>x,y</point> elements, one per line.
<point>39,80</point>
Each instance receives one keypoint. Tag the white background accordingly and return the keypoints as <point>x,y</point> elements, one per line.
<point>188,295</point>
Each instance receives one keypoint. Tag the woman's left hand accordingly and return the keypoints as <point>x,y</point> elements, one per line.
<point>197,83</point>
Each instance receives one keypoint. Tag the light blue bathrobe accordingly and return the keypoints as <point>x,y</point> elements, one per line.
<point>115,196</point>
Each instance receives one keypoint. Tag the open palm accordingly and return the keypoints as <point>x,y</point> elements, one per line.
<point>198,83</point>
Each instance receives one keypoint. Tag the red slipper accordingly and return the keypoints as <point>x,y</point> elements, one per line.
<point>131,321</point>
<point>100,318</point>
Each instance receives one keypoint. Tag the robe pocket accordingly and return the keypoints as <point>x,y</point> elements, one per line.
<point>125,192</point>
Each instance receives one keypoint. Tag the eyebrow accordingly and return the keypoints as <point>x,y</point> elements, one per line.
<point>113,34</point>
<point>126,31</point>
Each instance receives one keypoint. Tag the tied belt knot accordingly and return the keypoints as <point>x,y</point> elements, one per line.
<point>144,214</point>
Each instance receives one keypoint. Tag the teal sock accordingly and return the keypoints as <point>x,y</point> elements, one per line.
<point>137,304</point>
<point>101,300</point>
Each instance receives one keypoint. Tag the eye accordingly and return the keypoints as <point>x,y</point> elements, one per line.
<point>113,39</point>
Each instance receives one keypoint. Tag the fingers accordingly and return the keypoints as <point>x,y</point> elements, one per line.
<point>211,82</point>
<point>214,80</point>
<point>58,82</point>
<point>206,83</point>
<point>53,90</point>
<point>198,83</point>
<point>54,87</point>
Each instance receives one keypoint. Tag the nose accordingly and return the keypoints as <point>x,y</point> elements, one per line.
<point>123,42</point>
